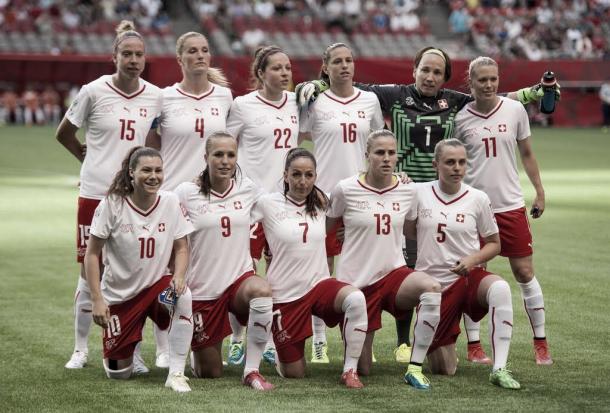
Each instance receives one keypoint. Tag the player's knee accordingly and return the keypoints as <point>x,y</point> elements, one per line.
<point>261,289</point>
<point>208,372</point>
<point>524,273</point>
<point>119,374</point>
<point>293,373</point>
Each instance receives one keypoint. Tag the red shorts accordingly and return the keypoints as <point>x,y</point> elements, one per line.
<point>292,321</point>
<point>211,318</point>
<point>459,298</point>
<point>127,319</point>
<point>515,233</point>
<point>333,245</point>
<point>382,296</point>
<point>258,242</point>
<point>84,216</point>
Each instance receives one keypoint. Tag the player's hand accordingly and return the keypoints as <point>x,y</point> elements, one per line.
<point>307,92</point>
<point>179,285</point>
<point>83,149</point>
<point>463,266</point>
<point>404,178</point>
<point>100,313</point>
<point>537,207</point>
<point>340,234</point>
<point>535,93</point>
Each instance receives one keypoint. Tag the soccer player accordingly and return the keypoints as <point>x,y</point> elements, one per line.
<point>295,226</point>
<point>117,111</point>
<point>139,228</point>
<point>266,124</point>
<point>451,216</point>
<point>338,123</point>
<point>493,129</point>
<point>374,206</point>
<point>220,273</point>
<point>192,110</point>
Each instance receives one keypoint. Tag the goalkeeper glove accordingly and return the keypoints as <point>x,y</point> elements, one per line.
<point>307,92</point>
<point>535,93</point>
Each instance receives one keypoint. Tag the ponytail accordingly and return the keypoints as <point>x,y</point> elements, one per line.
<point>316,200</point>
<point>122,184</point>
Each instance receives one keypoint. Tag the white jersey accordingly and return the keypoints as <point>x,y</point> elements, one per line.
<point>138,243</point>
<point>297,243</point>
<point>186,123</point>
<point>373,222</point>
<point>448,228</point>
<point>220,245</point>
<point>266,131</point>
<point>339,128</point>
<point>491,143</point>
<point>114,123</point>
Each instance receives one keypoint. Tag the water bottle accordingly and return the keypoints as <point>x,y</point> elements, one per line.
<point>547,103</point>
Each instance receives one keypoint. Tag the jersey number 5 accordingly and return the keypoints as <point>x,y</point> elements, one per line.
<point>442,236</point>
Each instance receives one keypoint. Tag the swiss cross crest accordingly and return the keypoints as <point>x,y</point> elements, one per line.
<point>237,205</point>
<point>361,114</point>
<point>442,103</point>
<point>143,112</point>
<point>502,127</point>
<point>162,227</point>
<point>293,119</point>
<point>459,218</point>
<point>215,111</point>
<point>396,206</point>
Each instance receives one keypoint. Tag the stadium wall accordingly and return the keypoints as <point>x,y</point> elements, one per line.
<point>580,104</point>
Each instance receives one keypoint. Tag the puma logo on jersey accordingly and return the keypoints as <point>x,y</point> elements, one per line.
<point>381,204</point>
<point>446,215</point>
<point>223,206</point>
<point>345,113</point>
<point>146,227</point>
<point>264,327</point>
<point>198,110</point>
<point>487,129</point>
<point>183,317</point>
<point>508,323</point>
<point>299,213</point>
<point>429,325</point>
<point>126,109</point>
<point>427,106</point>
<point>538,308</point>
<point>280,118</point>
<point>360,330</point>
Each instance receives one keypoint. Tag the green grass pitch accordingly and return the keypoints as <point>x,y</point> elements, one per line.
<point>37,216</point>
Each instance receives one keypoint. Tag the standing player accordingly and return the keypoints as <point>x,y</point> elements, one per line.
<point>266,125</point>
<point>338,123</point>
<point>295,226</point>
<point>492,128</point>
<point>374,206</point>
<point>220,273</point>
<point>451,216</point>
<point>192,110</point>
<point>117,111</point>
<point>140,228</point>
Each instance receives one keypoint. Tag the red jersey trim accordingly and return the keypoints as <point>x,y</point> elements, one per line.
<point>480,115</point>
<point>225,193</point>
<point>139,211</point>
<point>343,102</point>
<point>266,102</point>
<point>206,94</point>
<point>133,95</point>
<point>377,191</point>
<point>295,202</point>
<point>450,202</point>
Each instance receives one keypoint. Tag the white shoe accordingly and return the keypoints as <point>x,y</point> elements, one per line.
<point>78,360</point>
<point>138,364</point>
<point>162,361</point>
<point>178,382</point>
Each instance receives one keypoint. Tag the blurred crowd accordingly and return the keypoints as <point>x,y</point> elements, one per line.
<point>34,107</point>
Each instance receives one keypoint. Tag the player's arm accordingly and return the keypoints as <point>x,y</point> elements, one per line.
<point>101,313</point>
<point>533,93</point>
<point>304,136</point>
<point>530,164</point>
<point>181,259</point>
<point>66,135</point>
<point>409,230</point>
<point>153,140</point>
<point>489,250</point>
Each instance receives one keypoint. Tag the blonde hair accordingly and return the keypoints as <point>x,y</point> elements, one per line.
<point>214,75</point>
<point>124,30</point>
<point>478,62</point>
<point>260,62</point>
<point>438,149</point>
<point>376,134</point>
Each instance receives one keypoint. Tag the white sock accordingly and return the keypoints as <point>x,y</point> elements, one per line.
<point>237,329</point>
<point>500,321</point>
<point>180,332</point>
<point>82,315</point>
<point>137,351</point>
<point>428,316</point>
<point>270,343</point>
<point>161,339</point>
<point>355,325</point>
<point>319,329</point>
<point>533,301</point>
<point>259,330</point>
<point>473,329</point>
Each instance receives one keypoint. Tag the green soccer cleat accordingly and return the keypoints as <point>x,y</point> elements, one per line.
<point>504,378</point>
<point>236,353</point>
<point>414,377</point>
<point>402,353</point>
<point>269,356</point>
<point>319,352</point>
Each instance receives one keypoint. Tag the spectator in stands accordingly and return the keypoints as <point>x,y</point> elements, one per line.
<point>32,111</point>
<point>12,112</point>
<point>51,105</point>
<point>460,22</point>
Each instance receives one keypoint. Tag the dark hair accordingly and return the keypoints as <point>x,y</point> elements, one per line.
<point>316,199</point>
<point>260,62</point>
<point>423,51</point>
<point>203,180</point>
<point>122,184</point>
<point>326,58</point>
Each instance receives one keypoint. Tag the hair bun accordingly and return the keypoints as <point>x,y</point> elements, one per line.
<point>125,26</point>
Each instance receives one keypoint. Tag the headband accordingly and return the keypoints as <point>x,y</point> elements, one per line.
<point>436,52</point>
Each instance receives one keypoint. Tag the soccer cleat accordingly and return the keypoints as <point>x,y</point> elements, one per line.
<point>319,353</point>
<point>78,360</point>
<point>402,353</point>
<point>269,355</point>
<point>351,380</point>
<point>236,353</point>
<point>178,382</point>
<point>138,364</point>
<point>416,378</point>
<point>256,380</point>
<point>162,361</point>
<point>477,355</point>
<point>541,350</point>
<point>373,358</point>
<point>504,378</point>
